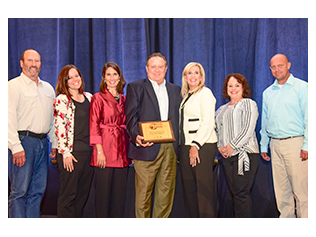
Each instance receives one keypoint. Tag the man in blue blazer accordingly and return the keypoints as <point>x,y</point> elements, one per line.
<point>153,99</point>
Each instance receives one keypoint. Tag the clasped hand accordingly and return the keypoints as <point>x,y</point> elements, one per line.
<point>226,151</point>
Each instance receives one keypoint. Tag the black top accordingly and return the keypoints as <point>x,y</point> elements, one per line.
<point>182,138</point>
<point>81,129</point>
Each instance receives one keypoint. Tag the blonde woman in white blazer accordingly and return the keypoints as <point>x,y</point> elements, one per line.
<point>198,143</point>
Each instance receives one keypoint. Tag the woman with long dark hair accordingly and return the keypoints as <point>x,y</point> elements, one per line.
<point>109,140</point>
<point>71,115</point>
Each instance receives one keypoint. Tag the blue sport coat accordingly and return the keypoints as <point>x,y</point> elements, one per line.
<point>141,106</point>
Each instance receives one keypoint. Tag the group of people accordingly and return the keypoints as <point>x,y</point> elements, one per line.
<point>99,136</point>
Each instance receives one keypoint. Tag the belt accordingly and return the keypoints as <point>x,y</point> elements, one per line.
<point>32,134</point>
<point>281,139</point>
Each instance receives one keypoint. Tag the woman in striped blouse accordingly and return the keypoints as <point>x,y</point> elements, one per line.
<point>237,142</point>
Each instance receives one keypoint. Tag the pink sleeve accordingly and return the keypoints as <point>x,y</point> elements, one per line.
<point>95,118</point>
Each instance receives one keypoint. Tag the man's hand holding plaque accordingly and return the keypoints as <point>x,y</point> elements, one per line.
<point>155,132</point>
<point>140,141</point>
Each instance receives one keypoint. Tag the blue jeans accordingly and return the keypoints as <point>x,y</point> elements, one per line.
<point>28,183</point>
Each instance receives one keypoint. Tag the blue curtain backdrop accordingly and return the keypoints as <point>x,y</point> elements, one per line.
<point>86,43</point>
<point>222,46</point>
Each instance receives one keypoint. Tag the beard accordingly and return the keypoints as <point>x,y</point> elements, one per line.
<point>33,71</point>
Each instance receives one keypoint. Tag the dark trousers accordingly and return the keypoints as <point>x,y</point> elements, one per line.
<point>240,185</point>
<point>74,187</point>
<point>110,191</point>
<point>198,188</point>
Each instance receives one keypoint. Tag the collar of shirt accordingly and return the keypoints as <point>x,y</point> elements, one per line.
<point>290,82</point>
<point>155,84</point>
<point>28,80</point>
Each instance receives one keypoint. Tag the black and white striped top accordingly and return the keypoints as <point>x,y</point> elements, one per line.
<point>235,125</point>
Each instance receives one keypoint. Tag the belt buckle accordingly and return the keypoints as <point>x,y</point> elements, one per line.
<point>42,135</point>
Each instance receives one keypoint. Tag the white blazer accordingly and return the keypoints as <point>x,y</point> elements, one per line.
<point>199,118</point>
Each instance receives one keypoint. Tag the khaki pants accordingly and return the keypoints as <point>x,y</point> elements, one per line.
<point>290,177</point>
<point>160,173</point>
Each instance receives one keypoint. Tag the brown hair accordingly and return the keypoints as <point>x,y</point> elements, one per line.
<point>63,77</point>
<point>156,55</point>
<point>242,80</point>
<point>120,85</point>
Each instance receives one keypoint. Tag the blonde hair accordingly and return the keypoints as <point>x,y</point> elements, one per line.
<point>185,86</point>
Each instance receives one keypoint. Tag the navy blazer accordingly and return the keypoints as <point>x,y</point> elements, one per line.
<point>141,105</point>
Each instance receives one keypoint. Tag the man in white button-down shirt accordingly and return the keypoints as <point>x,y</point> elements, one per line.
<point>30,118</point>
<point>153,99</point>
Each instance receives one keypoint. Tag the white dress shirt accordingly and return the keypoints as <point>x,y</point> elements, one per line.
<point>162,97</point>
<point>30,107</point>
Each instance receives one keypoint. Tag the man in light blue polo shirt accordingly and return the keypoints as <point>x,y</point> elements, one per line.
<point>285,127</point>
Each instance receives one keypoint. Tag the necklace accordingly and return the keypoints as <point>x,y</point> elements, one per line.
<point>194,90</point>
<point>115,95</point>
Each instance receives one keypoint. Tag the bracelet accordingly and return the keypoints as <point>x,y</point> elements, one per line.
<point>99,152</point>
